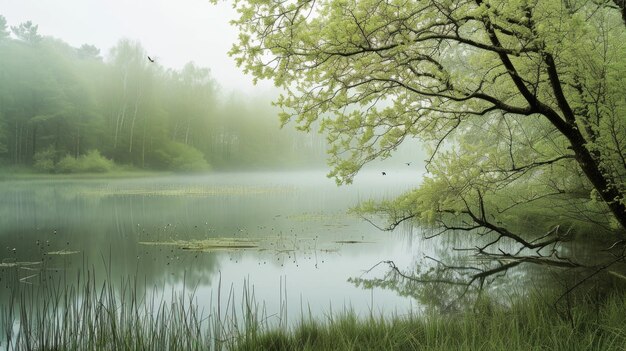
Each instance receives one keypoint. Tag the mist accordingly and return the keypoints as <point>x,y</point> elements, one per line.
<point>66,109</point>
<point>251,175</point>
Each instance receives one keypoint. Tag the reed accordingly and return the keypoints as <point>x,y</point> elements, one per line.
<point>531,323</point>
<point>85,313</point>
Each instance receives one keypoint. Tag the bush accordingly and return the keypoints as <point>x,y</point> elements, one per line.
<point>92,162</point>
<point>67,164</point>
<point>180,157</point>
<point>43,161</point>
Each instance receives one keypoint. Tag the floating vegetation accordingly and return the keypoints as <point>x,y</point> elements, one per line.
<point>62,252</point>
<point>206,245</point>
<point>189,191</point>
<point>320,216</point>
<point>278,245</point>
<point>353,242</point>
<point>17,264</point>
<point>337,225</point>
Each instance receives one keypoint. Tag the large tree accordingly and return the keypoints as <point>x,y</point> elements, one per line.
<point>521,102</point>
<point>4,32</point>
<point>27,32</point>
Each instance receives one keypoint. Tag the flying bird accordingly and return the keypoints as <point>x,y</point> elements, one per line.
<point>408,163</point>
<point>384,173</point>
<point>150,59</point>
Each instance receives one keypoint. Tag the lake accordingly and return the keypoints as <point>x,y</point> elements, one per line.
<point>287,236</point>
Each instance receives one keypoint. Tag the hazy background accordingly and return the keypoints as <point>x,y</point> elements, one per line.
<point>175,32</point>
<point>60,101</point>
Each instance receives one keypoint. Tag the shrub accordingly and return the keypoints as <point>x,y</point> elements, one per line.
<point>67,164</point>
<point>180,157</point>
<point>92,162</point>
<point>43,161</point>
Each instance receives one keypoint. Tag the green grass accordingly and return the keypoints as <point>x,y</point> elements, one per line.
<point>86,315</point>
<point>528,324</point>
<point>82,314</point>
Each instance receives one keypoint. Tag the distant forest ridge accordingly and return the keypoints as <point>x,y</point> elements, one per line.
<point>65,109</point>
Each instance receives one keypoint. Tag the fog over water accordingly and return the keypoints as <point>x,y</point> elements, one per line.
<point>238,223</point>
<point>308,245</point>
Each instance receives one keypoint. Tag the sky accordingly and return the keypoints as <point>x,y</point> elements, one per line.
<point>173,31</point>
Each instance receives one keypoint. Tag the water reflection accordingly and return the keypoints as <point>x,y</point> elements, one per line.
<point>451,272</point>
<point>111,227</point>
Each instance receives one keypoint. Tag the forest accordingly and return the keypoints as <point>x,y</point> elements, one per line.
<point>474,194</point>
<point>67,109</point>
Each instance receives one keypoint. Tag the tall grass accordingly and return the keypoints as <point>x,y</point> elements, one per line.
<point>82,314</point>
<point>528,324</point>
<point>87,315</point>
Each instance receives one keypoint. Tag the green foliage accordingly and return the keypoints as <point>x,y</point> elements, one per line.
<point>180,157</point>
<point>3,138</point>
<point>67,164</point>
<point>27,32</point>
<point>513,99</point>
<point>530,323</point>
<point>87,51</point>
<point>91,162</point>
<point>44,160</point>
<point>123,318</point>
<point>131,109</point>
<point>4,32</point>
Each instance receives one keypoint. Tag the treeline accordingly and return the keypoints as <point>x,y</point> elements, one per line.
<point>68,109</point>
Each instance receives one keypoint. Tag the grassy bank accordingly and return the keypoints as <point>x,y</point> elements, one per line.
<point>528,325</point>
<point>91,315</point>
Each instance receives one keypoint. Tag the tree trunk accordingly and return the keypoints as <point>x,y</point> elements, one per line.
<point>34,140</point>
<point>143,145</point>
<point>608,192</point>
<point>122,113</point>
<point>15,152</point>
<point>118,124</point>
<point>132,125</point>
<point>187,133</point>
<point>78,141</point>
<point>57,140</point>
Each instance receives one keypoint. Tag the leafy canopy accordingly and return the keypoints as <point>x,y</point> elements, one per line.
<point>520,102</point>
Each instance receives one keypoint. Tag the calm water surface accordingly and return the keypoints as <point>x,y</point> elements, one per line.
<point>309,246</point>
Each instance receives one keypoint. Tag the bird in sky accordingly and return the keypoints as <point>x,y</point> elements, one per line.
<point>384,173</point>
<point>150,59</point>
<point>408,163</point>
